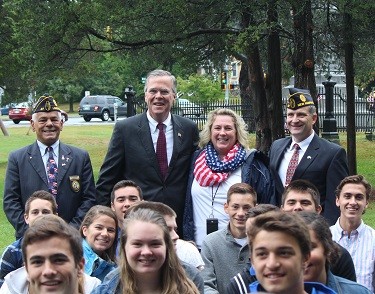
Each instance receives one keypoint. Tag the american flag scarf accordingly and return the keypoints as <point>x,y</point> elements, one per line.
<point>209,170</point>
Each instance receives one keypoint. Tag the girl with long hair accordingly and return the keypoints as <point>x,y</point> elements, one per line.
<point>148,261</point>
<point>99,233</point>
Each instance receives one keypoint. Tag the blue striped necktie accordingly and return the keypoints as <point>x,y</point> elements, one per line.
<point>51,172</point>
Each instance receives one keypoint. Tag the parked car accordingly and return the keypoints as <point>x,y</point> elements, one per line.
<point>186,108</point>
<point>23,111</point>
<point>5,108</point>
<point>101,106</point>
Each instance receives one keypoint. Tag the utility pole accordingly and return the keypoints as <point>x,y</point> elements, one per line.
<point>227,83</point>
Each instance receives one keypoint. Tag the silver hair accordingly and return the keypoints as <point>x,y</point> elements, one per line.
<point>161,73</point>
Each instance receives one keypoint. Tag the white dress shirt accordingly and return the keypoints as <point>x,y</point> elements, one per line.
<point>168,133</point>
<point>303,145</point>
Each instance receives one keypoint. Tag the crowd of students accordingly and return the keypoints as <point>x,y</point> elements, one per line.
<point>287,249</point>
<point>292,225</point>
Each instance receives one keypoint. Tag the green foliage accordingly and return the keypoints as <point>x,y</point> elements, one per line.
<point>64,46</point>
<point>200,88</point>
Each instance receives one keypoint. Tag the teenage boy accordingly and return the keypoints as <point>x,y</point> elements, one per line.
<point>279,250</point>
<point>53,255</point>
<point>302,195</point>
<point>239,284</point>
<point>225,252</point>
<point>39,203</point>
<point>125,193</point>
<point>352,196</point>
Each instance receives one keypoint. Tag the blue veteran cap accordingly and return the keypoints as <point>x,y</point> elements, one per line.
<point>299,98</point>
<point>46,103</point>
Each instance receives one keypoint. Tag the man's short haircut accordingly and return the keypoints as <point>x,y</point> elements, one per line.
<point>159,207</point>
<point>124,184</point>
<point>278,221</point>
<point>44,195</point>
<point>161,73</point>
<point>48,226</point>
<point>302,186</point>
<point>312,109</point>
<point>260,209</point>
<point>241,188</point>
<point>355,179</point>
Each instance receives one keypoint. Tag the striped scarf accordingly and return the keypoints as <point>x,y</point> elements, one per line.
<point>209,170</point>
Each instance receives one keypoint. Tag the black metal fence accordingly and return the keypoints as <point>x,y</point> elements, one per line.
<point>364,113</point>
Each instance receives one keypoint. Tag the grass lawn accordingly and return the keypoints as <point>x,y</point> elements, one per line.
<point>95,140</point>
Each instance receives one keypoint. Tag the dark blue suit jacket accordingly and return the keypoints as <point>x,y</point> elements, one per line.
<point>131,155</point>
<point>324,164</point>
<point>26,174</point>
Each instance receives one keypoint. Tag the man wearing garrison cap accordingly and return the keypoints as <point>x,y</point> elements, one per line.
<point>304,155</point>
<point>48,164</point>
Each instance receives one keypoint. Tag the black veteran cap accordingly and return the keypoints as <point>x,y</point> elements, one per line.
<point>46,103</point>
<point>299,98</point>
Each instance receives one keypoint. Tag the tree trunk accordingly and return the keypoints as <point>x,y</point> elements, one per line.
<point>262,123</point>
<point>350,93</point>
<point>303,55</point>
<point>274,77</point>
<point>257,90</point>
<point>248,109</point>
<point>71,101</point>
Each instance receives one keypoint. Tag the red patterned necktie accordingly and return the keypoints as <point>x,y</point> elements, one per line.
<point>51,172</point>
<point>292,164</point>
<point>161,150</point>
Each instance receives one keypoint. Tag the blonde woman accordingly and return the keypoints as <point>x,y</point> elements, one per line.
<point>224,159</point>
<point>148,261</point>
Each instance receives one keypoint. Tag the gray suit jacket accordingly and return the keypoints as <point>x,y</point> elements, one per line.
<point>324,164</point>
<point>131,155</point>
<point>26,174</point>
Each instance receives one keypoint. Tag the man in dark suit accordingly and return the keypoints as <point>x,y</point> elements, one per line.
<point>317,160</point>
<point>134,150</point>
<point>29,170</point>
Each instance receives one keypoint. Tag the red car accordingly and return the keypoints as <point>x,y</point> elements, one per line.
<point>23,111</point>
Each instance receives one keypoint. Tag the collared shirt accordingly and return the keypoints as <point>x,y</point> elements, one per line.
<point>168,133</point>
<point>303,145</point>
<point>361,246</point>
<point>11,259</point>
<point>44,154</point>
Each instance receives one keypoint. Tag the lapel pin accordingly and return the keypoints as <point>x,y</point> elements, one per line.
<point>179,134</point>
<point>63,157</point>
<point>309,157</point>
<point>63,164</point>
